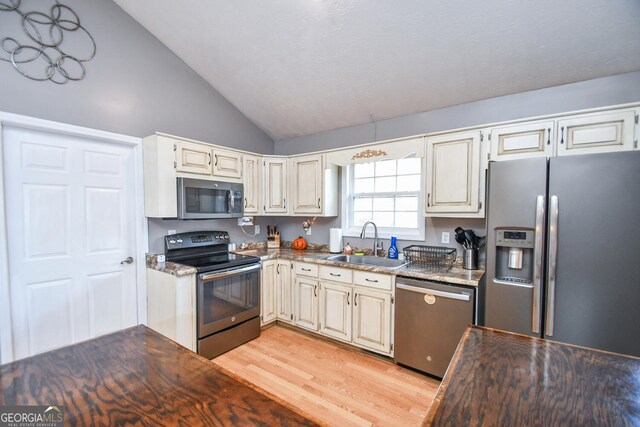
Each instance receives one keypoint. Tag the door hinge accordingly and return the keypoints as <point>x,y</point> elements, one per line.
<point>489,137</point>
<point>175,147</point>
<point>291,316</point>
<point>175,165</point>
<point>636,118</point>
<point>392,347</point>
<point>480,205</point>
<point>393,300</point>
<point>481,136</point>
<point>635,143</point>
<point>291,264</point>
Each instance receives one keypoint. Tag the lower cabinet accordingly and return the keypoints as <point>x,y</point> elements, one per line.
<point>372,319</point>
<point>335,310</point>
<point>284,291</point>
<point>305,310</point>
<point>268,292</point>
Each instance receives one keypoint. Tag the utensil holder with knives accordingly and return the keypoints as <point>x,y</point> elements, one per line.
<point>273,237</point>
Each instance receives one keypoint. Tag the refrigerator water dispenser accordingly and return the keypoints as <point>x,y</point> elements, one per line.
<point>514,256</point>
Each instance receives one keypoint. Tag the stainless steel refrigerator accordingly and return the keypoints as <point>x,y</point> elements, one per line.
<point>563,249</point>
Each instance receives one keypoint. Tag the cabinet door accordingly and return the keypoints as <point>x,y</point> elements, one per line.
<point>335,310</point>
<point>453,173</point>
<point>284,291</point>
<point>193,158</point>
<point>306,184</point>
<point>521,141</point>
<point>275,185</point>
<point>227,164</point>
<point>268,292</point>
<point>252,184</point>
<point>372,319</point>
<point>305,310</point>
<point>596,133</point>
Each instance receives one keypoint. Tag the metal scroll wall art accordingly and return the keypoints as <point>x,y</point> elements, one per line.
<point>40,53</point>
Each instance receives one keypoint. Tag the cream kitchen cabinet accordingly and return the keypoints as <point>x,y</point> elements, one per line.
<point>372,319</point>
<point>524,140</point>
<point>284,291</point>
<point>268,292</point>
<point>325,302</point>
<point>596,133</point>
<point>193,158</point>
<point>313,186</point>
<point>167,157</point>
<point>252,181</point>
<point>227,164</point>
<point>453,175</point>
<point>335,310</point>
<point>275,185</point>
<point>305,310</point>
<point>171,307</point>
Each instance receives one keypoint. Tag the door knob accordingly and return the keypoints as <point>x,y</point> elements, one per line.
<point>129,260</point>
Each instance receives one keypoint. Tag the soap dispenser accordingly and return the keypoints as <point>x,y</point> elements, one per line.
<point>393,249</point>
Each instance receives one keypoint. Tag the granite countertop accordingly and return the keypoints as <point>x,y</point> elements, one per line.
<point>168,267</point>
<point>455,275</point>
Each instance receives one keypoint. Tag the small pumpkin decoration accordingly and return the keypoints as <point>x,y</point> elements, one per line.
<point>300,243</point>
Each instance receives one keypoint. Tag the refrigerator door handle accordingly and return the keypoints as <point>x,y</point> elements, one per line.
<point>537,267</point>
<point>553,261</point>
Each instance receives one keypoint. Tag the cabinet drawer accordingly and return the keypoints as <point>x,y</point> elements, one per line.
<point>306,269</point>
<point>336,274</point>
<point>372,280</point>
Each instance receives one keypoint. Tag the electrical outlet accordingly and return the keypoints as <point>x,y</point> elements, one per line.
<point>257,230</point>
<point>170,232</point>
<point>445,237</point>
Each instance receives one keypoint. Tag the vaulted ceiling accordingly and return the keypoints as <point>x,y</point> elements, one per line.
<point>297,67</point>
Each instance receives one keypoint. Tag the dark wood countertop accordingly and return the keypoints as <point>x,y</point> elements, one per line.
<point>139,377</point>
<point>499,378</point>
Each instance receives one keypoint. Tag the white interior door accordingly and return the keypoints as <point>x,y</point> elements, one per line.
<point>70,212</point>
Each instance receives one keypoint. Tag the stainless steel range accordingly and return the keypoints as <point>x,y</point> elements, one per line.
<point>228,289</point>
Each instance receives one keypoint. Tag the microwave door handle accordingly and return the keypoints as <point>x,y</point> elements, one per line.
<point>231,202</point>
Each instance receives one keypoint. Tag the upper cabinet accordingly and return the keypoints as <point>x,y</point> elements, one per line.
<point>453,178</point>
<point>523,140</point>
<point>252,181</point>
<point>191,157</point>
<point>596,133</point>
<point>275,185</point>
<point>227,164</point>
<point>313,186</point>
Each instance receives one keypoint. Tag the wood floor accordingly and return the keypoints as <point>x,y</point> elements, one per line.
<point>337,385</point>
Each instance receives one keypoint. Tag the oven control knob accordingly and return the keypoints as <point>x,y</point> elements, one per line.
<point>179,240</point>
<point>172,241</point>
<point>226,236</point>
<point>217,236</point>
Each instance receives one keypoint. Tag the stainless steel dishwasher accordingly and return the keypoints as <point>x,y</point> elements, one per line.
<point>430,319</point>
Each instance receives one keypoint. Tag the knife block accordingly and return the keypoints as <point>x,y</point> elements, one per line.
<point>273,241</point>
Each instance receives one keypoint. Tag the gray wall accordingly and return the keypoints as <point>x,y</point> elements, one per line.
<point>134,85</point>
<point>602,92</point>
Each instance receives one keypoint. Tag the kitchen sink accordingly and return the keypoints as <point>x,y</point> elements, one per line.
<point>367,260</point>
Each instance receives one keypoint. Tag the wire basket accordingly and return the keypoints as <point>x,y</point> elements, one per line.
<point>430,256</point>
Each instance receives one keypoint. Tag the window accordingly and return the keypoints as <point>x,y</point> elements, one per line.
<point>385,192</point>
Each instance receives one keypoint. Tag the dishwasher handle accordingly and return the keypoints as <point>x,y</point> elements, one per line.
<point>451,295</point>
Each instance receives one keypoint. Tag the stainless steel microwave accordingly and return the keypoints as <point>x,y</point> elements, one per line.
<point>202,199</point>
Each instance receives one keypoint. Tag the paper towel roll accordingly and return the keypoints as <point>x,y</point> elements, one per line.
<point>335,240</point>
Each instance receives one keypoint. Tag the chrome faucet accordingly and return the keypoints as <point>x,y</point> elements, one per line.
<point>363,235</point>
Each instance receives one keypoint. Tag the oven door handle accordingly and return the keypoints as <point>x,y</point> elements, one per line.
<point>230,272</point>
